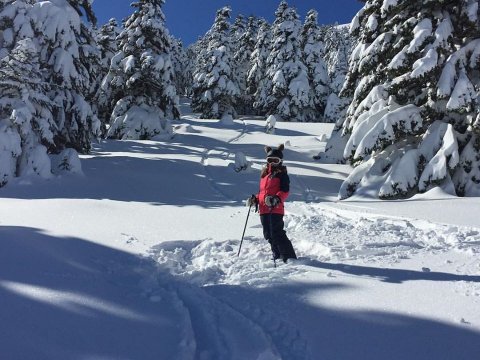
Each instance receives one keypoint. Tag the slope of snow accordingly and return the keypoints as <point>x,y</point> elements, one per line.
<point>137,259</point>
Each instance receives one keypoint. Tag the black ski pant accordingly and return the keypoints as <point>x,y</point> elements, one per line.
<point>277,237</point>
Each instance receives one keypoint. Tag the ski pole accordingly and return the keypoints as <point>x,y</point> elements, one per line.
<point>245,228</point>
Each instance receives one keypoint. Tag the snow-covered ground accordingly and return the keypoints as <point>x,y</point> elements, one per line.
<point>138,259</point>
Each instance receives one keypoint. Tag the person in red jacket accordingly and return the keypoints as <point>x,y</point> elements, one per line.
<point>274,189</point>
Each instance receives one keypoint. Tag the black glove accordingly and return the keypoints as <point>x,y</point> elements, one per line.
<point>272,200</point>
<point>251,201</point>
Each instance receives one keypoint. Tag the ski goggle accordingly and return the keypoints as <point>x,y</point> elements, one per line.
<point>274,160</point>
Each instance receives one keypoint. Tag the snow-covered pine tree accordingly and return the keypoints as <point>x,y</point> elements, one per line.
<point>338,45</point>
<point>459,87</point>
<point>258,84</point>
<point>237,29</point>
<point>244,47</point>
<point>192,59</point>
<point>313,50</point>
<point>84,8</point>
<point>48,57</point>
<point>68,53</point>
<point>14,24</point>
<point>198,52</point>
<point>181,68</point>
<point>108,45</point>
<point>289,97</point>
<point>411,124</point>
<point>27,124</point>
<point>215,90</point>
<point>90,55</point>
<point>139,87</point>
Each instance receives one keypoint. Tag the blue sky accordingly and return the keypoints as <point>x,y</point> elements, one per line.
<point>188,19</point>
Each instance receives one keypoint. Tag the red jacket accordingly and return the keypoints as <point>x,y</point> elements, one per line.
<point>274,181</point>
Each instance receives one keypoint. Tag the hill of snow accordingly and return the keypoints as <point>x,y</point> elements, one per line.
<point>137,259</point>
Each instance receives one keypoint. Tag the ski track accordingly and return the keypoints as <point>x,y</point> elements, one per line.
<point>207,262</point>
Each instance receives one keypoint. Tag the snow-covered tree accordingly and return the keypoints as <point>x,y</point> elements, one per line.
<point>313,50</point>
<point>414,81</point>
<point>244,47</point>
<point>68,53</point>
<point>14,24</point>
<point>140,88</point>
<point>237,29</point>
<point>290,93</point>
<point>45,81</point>
<point>338,47</point>
<point>108,45</point>
<point>258,84</point>
<point>27,125</point>
<point>215,90</point>
<point>84,8</point>
<point>181,67</point>
<point>89,53</point>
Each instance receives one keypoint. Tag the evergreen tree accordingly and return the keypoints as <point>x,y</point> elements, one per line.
<point>258,84</point>
<point>48,62</point>
<point>198,51</point>
<point>84,8</point>
<point>181,67</point>
<point>140,88</point>
<point>411,124</point>
<point>108,46</point>
<point>339,44</point>
<point>192,58</point>
<point>289,96</point>
<point>90,56</point>
<point>313,50</point>
<point>68,52</point>
<point>215,89</point>
<point>245,45</point>
<point>237,30</point>
<point>27,124</point>
<point>108,43</point>
<point>14,24</point>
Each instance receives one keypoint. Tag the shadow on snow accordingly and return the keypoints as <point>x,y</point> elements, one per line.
<point>168,173</point>
<point>395,276</point>
<point>68,298</point>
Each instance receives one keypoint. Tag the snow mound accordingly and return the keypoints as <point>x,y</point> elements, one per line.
<point>184,129</point>
<point>67,161</point>
<point>241,162</point>
<point>270,124</point>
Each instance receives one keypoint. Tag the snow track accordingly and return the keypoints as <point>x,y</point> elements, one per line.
<point>210,262</point>
<point>215,338</point>
<point>291,344</point>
